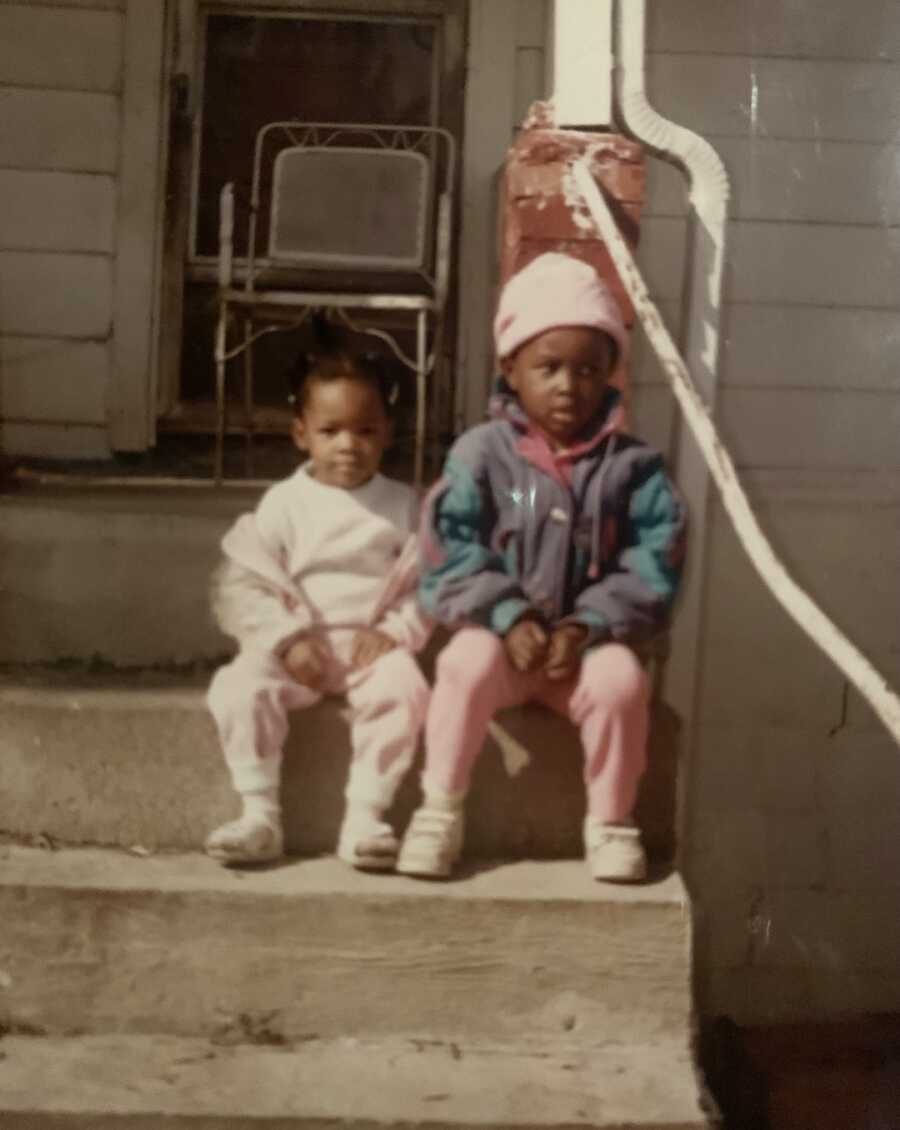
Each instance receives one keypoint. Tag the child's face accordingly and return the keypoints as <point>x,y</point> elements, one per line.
<point>345,429</point>
<point>560,377</point>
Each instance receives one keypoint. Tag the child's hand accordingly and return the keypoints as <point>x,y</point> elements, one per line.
<point>369,644</point>
<point>526,644</point>
<point>564,651</point>
<point>305,662</point>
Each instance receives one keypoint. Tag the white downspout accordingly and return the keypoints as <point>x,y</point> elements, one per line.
<point>708,187</point>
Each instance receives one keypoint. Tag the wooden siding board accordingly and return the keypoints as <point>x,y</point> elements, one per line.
<point>812,347</point>
<point>100,5</point>
<point>62,48</point>
<point>866,30</point>
<point>781,98</point>
<point>822,539</point>
<point>818,181</point>
<point>798,100</point>
<point>53,379</point>
<point>60,130</point>
<point>819,531</point>
<point>42,211</point>
<point>813,264</point>
<point>788,428</point>
<point>55,441</point>
<point>55,295</point>
<point>761,668</point>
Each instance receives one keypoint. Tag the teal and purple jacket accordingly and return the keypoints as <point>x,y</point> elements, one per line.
<point>593,535</point>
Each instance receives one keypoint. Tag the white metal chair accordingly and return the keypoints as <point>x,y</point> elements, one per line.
<point>344,197</point>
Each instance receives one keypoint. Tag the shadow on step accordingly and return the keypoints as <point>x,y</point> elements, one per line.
<point>532,810</point>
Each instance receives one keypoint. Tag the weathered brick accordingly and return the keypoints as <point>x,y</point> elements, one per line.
<point>536,203</point>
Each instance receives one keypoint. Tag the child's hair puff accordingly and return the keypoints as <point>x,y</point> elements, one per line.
<point>331,359</point>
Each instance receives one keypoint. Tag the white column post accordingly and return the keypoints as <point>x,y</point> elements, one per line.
<point>582,62</point>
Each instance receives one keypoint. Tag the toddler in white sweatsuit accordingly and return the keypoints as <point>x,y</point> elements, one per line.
<point>318,588</point>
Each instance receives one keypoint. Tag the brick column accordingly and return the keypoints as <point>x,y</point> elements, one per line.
<point>540,211</point>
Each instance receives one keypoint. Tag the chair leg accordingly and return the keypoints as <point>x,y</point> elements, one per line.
<point>248,397</point>
<point>421,362</point>
<point>221,340</point>
<point>437,403</point>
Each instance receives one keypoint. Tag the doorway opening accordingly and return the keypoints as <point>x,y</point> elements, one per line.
<point>254,65</point>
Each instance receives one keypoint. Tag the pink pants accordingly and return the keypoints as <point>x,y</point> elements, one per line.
<point>607,701</point>
<point>250,699</point>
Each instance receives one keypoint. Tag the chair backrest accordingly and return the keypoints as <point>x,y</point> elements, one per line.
<point>352,196</point>
<point>350,207</point>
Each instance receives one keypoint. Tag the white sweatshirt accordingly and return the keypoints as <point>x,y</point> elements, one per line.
<point>337,547</point>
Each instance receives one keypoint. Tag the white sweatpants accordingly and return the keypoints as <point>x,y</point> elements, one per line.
<point>250,699</point>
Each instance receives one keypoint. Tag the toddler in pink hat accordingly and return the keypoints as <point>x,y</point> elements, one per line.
<point>553,543</point>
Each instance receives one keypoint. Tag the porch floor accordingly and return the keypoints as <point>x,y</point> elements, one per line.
<point>179,456</point>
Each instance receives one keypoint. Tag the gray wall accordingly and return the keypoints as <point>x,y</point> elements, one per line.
<point>793,826</point>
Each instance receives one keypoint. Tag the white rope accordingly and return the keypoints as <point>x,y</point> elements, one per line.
<point>868,681</point>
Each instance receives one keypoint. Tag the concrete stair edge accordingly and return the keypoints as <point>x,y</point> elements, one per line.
<point>132,758</point>
<point>97,940</point>
<point>111,1082</point>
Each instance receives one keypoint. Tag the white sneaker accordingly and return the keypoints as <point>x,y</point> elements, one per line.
<point>366,842</point>
<point>249,839</point>
<point>614,852</point>
<point>432,844</point>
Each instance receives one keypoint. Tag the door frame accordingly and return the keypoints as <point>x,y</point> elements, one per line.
<point>135,310</point>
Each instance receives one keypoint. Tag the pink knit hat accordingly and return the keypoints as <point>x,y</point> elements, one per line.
<point>552,292</point>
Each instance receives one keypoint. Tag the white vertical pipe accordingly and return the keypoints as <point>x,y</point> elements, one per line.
<point>582,62</point>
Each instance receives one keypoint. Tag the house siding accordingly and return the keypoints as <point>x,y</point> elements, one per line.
<point>791,817</point>
<point>60,92</point>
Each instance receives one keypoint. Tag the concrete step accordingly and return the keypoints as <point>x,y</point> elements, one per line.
<point>166,1083</point>
<point>132,758</point>
<point>97,941</point>
<point>117,575</point>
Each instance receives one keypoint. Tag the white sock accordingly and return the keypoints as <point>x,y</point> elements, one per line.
<point>440,801</point>
<point>262,804</point>
<point>366,818</point>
